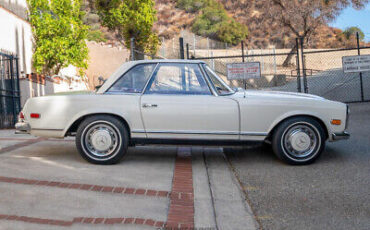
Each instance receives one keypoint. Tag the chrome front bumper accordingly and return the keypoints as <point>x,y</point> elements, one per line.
<point>340,136</point>
<point>22,128</point>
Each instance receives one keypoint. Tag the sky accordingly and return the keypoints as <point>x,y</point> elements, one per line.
<point>351,17</point>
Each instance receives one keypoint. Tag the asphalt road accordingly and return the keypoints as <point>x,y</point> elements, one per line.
<point>332,193</point>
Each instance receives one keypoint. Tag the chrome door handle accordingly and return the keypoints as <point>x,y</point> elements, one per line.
<point>145,105</point>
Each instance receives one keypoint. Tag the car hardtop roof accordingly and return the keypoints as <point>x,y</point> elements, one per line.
<point>128,65</point>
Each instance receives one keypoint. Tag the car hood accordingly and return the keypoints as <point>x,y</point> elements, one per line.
<point>276,94</point>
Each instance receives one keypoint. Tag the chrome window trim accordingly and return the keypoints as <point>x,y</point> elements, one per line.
<point>204,65</point>
<point>147,86</point>
<point>209,82</point>
<point>149,79</point>
<point>138,93</point>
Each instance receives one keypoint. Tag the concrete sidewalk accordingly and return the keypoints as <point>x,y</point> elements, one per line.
<point>45,184</point>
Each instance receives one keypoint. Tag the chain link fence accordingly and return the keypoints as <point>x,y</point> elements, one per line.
<point>294,69</point>
<point>326,78</point>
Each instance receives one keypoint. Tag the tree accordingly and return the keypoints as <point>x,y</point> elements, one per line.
<point>131,19</point>
<point>213,21</point>
<point>59,35</point>
<point>303,17</point>
<point>351,31</point>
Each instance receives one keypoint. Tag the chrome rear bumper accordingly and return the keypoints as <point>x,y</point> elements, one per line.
<point>22,128</point>
<point>340,136</point>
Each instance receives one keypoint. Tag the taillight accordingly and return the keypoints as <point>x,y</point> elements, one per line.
<point>21,115</point>
<point>35,115</point>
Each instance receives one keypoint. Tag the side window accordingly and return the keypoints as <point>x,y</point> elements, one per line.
<point>134,80</point>
<point>178,79</point>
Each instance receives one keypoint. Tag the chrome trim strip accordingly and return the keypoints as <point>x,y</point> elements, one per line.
<point>138,131</point>
<point>253,134</point>
<point>194,132</point>
<point>48,129</point>
<point>201,132</point>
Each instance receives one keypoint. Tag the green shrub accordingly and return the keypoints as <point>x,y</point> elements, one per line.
<point>191,6</point>
<point>351,31</point>
<point>96,35</point>
<point>213,21</point>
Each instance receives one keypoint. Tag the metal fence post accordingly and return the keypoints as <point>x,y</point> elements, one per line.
<point>299,85</point>
<point>181,42</point>
<point>132,49</point>
<point>194,44</point>
<point>187,50</point>
<point>303,66</point>
<point>208,46</point>
<point>275,70</point>
<point>244,81</point>
<point>359,53</point>
<point>242,43</point>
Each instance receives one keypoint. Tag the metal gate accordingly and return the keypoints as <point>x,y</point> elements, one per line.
<point>9,90</point>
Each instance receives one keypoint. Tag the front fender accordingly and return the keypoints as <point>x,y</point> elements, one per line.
<point>295,113</point>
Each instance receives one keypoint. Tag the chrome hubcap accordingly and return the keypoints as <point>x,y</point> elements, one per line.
<point>101,140</point>
<point>300,141</point>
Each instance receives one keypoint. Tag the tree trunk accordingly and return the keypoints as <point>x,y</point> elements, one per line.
<point>290,55</point>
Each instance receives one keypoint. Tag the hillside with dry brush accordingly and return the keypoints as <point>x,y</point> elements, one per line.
<point>264,32</point>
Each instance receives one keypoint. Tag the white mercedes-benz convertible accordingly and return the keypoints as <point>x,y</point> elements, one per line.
<point>184,102</point>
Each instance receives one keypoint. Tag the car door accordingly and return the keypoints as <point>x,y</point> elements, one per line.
<point>178,104</point>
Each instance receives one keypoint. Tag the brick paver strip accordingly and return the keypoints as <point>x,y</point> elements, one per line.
<point>84,220</point>
<point>181,210</point>
<point>25,143</point>
<point>85,187</point>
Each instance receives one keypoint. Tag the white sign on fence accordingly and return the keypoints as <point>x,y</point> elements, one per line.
<point>355,64</point>
<point>245,70</point>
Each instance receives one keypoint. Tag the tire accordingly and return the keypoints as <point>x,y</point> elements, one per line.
<point>102,139</point>
<point>299,140</point>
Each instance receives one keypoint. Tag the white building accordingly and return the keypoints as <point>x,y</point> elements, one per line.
<point>16,39</point>
<point>15,33</point>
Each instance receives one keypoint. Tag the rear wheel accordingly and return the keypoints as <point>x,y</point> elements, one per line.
<point>102,139</point>
<point>299,140</point>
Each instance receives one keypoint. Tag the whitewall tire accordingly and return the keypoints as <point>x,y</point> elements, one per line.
<point>102,139</point>
<point>299,140</point>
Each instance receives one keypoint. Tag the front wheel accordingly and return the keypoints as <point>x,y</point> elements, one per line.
<point>299,140</point>
<point>102,139</point>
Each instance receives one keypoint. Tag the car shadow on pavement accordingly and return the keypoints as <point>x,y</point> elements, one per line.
<point>264,154</point>
<point>252,154</point>
<point>65,153</point>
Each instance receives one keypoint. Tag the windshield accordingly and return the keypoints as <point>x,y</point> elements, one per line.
<point>221,87</point>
